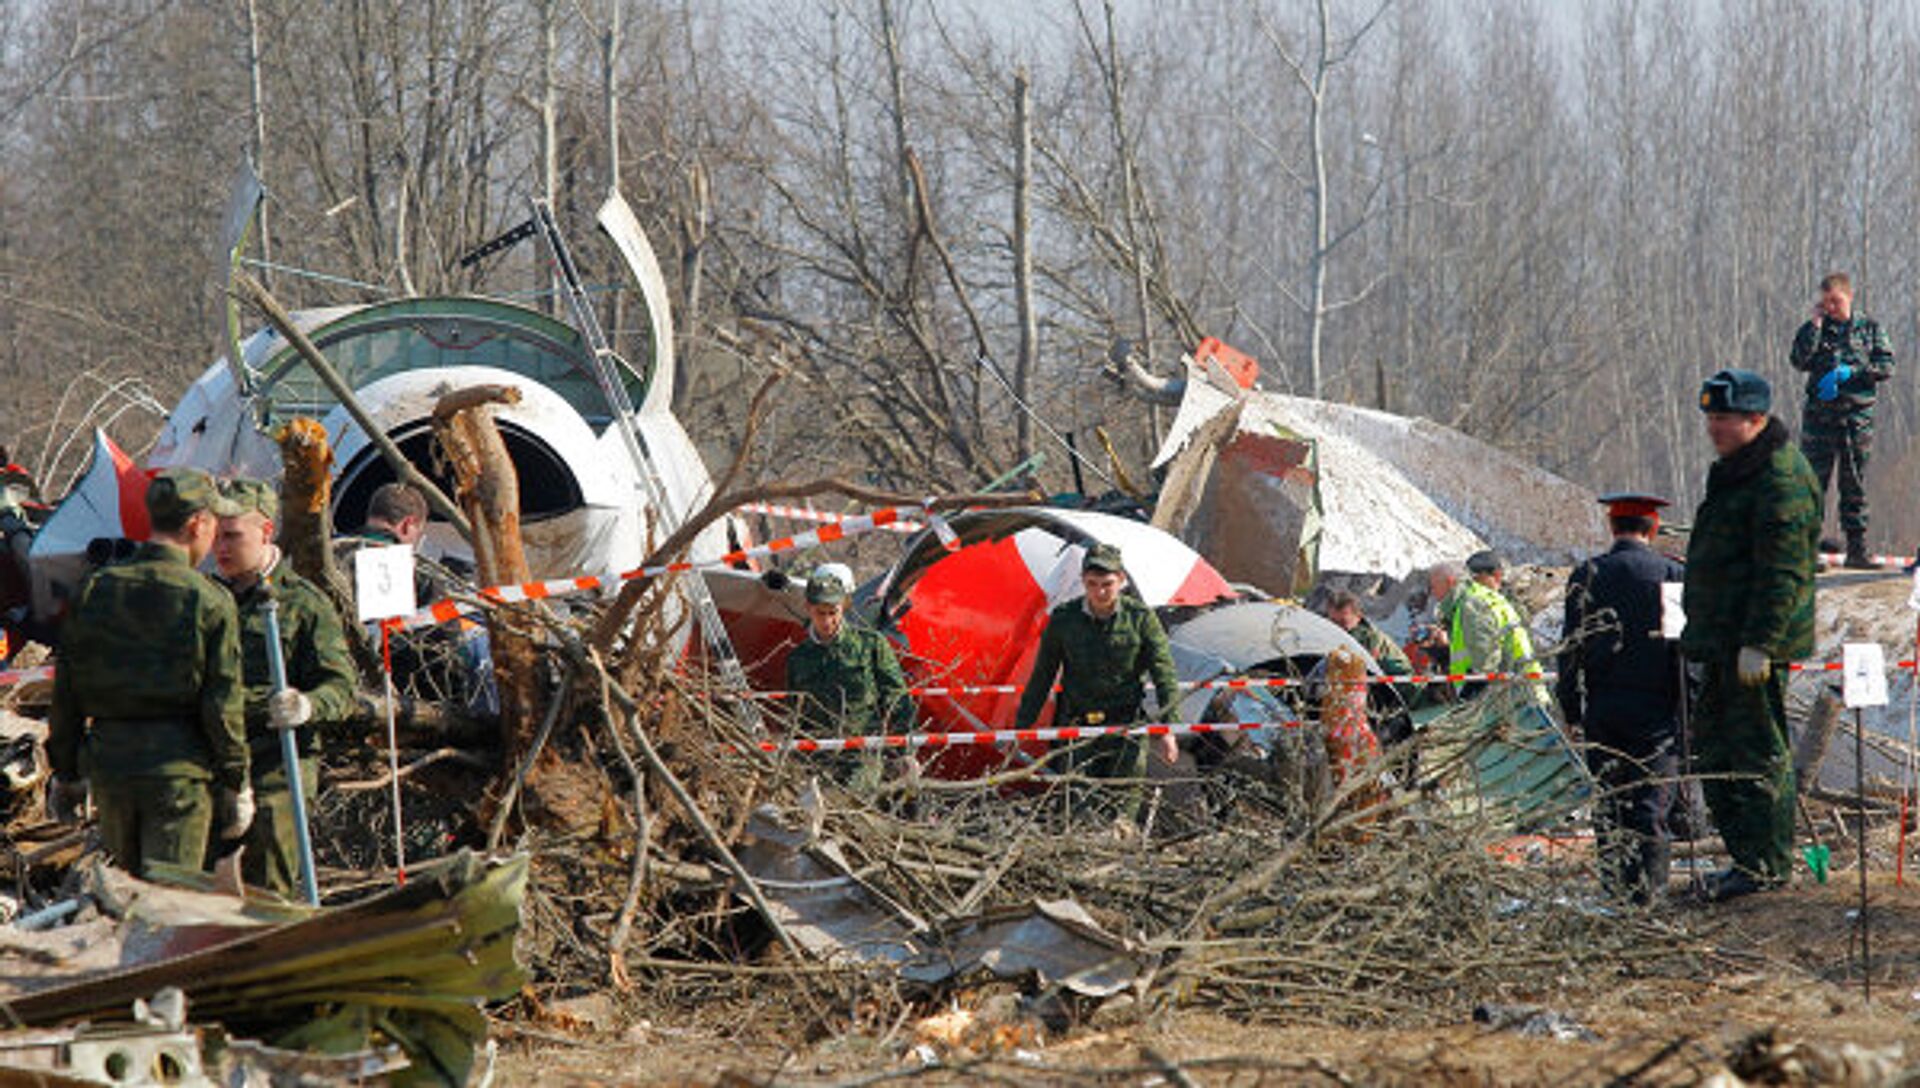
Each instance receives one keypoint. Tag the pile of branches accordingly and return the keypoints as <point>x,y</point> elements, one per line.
<point>1387,902</point>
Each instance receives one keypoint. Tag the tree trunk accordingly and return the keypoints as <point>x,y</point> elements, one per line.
<point>1130,200</point>
<point>1023,265</point>
<point>1317,267</point>
<point>259,133</point>
<point>549,119</point>
<point>489,489</point>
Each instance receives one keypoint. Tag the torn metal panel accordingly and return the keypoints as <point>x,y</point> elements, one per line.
<point>1249,500</point>
<point>839,918</point>
<point>1391,494</point>
<point>414,965</point>
<point>828,910</point>
<point>1057,942</point>
<point>1504,754</point>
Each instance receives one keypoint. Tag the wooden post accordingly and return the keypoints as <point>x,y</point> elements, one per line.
<point>489,490</point>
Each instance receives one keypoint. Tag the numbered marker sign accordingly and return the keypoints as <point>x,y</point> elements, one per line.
<point>383,582</point>
<point>1865,671</point>
<point>1673,619</point>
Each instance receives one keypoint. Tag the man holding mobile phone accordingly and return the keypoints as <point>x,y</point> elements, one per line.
<point>1845,356</point>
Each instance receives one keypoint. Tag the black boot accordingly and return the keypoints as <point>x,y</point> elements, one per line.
<point>1652,873</point>
<point>1858,557</point>
<point>1736,882</point>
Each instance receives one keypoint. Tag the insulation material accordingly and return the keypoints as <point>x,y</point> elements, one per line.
<point>1380,494</point>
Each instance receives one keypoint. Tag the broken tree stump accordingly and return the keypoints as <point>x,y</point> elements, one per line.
<point>488,489</point>
<point>306,501</point>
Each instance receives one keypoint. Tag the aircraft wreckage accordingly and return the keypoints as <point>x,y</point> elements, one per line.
<point>1261,494</point>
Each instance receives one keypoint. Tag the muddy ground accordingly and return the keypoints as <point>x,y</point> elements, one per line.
<point>1784,962</point>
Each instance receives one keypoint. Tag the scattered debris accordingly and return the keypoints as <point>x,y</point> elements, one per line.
<point>1534,1022</point>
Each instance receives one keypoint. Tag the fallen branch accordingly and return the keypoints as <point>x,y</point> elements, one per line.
<point>438,755</point>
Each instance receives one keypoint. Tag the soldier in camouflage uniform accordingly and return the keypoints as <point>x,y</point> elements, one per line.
<point>320,676</point>
<point>1749,605</point>
<point>147,696</point>
<point>1389,703</point>
<point>846,680</point>
<point>1845,356</point>
<point>1100,645</point>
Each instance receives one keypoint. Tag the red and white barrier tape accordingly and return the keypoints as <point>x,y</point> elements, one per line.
<point>808,513</point>
<point>1238,683</point>
<point>1887,562</point>
<point>877,741</point>
<point>1840,666</point>
<point>1246,683</point>
<point>992,738</point>
<point>450,609</point>
<point>10,677</point>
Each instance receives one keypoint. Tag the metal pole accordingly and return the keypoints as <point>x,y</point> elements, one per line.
<point>393,753</point>
<point>1860,832</point>
<point>289,747</point>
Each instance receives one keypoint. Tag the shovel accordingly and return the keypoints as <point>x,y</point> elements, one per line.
<point>1817,858</point>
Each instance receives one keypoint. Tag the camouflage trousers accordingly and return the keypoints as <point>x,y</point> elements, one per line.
<point>1745,767</point>
<point>1123,758</point>
<point>272,858</point>
<point>145,819</point>
<point>1840,441</point>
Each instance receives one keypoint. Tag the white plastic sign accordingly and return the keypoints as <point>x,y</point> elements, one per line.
<point>1913,599</point>
<point>383,582</point>
<point>1673,618</point>
<point>1864,666</point>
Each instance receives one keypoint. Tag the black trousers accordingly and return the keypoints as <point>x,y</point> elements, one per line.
<point>1634,765</point>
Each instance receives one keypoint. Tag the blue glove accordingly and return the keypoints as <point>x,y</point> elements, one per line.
<point>1829,386</point>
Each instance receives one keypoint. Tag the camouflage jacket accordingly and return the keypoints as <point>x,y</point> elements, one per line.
<point>1752,554</point>
<point>1386,652</point>
<point>315,650</point>
<point>1859,343</point>
<point>849,685</point>
<point>150,653</point>
<point>1100,663</point>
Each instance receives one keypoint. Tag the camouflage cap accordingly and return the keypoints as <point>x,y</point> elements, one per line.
<point>175,494</point>
<point>254,496</point>
<point>1103,557</point>
<point>825,587</point>
<point>1736,391</point>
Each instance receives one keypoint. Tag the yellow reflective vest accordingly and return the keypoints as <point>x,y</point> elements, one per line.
<point>1487,633</point>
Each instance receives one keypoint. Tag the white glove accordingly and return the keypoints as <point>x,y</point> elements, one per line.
<point>289,709</point>
<point>1754,666</point>
<point>235,812</point>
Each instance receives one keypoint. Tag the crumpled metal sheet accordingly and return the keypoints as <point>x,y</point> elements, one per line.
<point>828,911</point>
<point>1389,494</point>
<point>839,918</point>
<point>419,960</point>
<point>1055,941</point>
